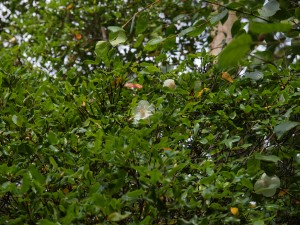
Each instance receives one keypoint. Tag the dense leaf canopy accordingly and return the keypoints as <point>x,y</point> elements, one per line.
<point>116,112</point>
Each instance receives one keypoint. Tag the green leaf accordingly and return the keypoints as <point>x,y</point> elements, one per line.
<point>53,140</point>
<point>115,29</point>
<point>228,142</point>
<point>196,129</point>
<point>247,183</point>
<point>133,195</point>
<point>102,48</point>
<point>269,9</point>
<point>264,28</point>
<point>25,183</point>
<point>15,120</point>
<point>115,216</point>
<point>219,16</point>
<point>36,174</point>
<point>155,41</point>
<point>117,38</point>
<point>253,166</point>
<point>53,162</point>
<point>268,158</point>
<point>53,148</point>
<point>258,222</point>
<point>256,75</point>
<point>46,222</point>
<point>199,27</point>
<point>1,78</point>
<point>142,23</point>
<point>284,127</point>
<point>216,206</point>
<point>234,51</point>
<point>186,31</point>
<point>139,41</point>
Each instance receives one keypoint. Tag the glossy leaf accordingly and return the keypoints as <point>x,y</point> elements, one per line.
<point>284,127</point>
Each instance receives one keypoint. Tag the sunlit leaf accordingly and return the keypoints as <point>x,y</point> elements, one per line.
<point>269,9</point>
<point>117,38</point>
<point>115,216</point>
<point>15,119</point>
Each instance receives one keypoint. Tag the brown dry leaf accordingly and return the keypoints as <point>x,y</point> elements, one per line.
<point>282,193</point>
<point>70,6</point>
<point>117,81</point>
<point>234,210</point>
<point>66,191</point>
<point>227,77</point>
<point>200,93</point>
<point>167,149</point>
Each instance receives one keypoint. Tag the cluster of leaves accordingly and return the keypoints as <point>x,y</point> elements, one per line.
<point>71,152</point>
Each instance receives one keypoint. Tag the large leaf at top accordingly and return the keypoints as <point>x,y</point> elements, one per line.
<point>264,28</point>
<point>269,9</point>
<point>282,128</point>
<point>235,51</point>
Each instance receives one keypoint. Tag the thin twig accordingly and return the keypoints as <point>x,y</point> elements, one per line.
<point>237,10</point>
<point>137,13</point>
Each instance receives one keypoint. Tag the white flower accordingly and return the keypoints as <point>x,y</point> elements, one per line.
<point>142,110</point>
<point>170,83</point>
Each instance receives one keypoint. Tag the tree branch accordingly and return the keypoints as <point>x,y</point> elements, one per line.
<point>237,10</point>
<point>137,13</point>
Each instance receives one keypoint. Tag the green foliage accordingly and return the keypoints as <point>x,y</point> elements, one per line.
<point>235,51</point>
<point>73,150</point>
